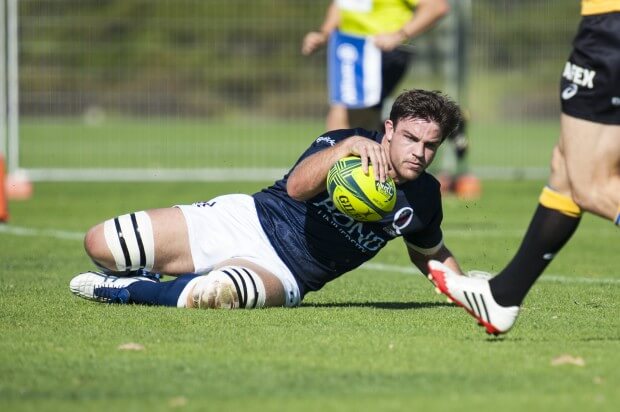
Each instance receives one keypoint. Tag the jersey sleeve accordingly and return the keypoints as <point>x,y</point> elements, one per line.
<point>329,139</point>
<point>429,238</point>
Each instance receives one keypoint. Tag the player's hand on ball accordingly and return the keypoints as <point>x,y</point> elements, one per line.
<point>357,194</point>
<point>370,152</point>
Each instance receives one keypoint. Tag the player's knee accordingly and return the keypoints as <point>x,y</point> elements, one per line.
<point>124,243</point>
<point>228,287</point>
<point>587,198</point>
<point>557,163</point>
<point>96,248</point>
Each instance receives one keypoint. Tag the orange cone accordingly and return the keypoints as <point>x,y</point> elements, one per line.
<point>468,187</point>
<point>4,206</point>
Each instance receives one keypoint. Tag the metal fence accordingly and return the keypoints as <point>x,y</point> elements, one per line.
<point>157,89</point>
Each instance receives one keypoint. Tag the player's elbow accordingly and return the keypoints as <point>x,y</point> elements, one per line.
<point>295,190</point>
<point>442,8</point>
<point>435,8</point>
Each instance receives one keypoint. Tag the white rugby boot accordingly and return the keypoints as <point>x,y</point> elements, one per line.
<point>104,288</point>
<point>474,295</point>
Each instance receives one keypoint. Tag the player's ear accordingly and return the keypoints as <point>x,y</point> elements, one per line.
<point>389,129</point>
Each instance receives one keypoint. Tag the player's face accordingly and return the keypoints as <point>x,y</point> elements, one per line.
<point>412,146</point>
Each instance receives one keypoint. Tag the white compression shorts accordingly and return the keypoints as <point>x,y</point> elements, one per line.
<point>227,227</point>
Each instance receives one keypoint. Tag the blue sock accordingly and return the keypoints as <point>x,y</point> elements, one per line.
<point>161,293</point>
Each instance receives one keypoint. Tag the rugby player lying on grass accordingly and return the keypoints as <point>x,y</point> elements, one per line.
<point>273,247</point>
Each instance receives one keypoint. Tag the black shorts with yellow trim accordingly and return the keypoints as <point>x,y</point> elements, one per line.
<point>590,85</point>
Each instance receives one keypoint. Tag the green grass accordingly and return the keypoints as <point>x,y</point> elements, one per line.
<point>169,143</point>
<point>371,340</point>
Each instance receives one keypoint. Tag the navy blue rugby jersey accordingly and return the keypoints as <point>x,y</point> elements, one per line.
<point>318,243</point>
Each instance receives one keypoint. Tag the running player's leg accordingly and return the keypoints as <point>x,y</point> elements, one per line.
<point>585,176</point>
<point>495,303</point>
<point>555,220</point>
<point>586,161</point>
<point>155,240</point>
<point>592,152</point>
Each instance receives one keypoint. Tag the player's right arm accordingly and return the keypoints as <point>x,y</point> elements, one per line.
<point>308,178</point>
<point>442,254</point>
<point>315,39</point>
<point>427,14</point>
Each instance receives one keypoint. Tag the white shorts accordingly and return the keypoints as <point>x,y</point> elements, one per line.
<point>227,227</point>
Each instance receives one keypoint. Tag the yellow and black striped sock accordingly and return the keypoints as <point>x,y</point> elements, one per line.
<point>552,225</point>
<point>551,199</point>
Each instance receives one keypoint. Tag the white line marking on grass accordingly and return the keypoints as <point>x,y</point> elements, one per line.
<point>27,231</point>
<point>68,235</point>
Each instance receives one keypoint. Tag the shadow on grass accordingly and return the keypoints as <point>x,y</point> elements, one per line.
<point>378,305</point>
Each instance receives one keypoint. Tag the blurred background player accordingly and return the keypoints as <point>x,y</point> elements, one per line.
<point>371,33</point>
<point>585,172</point>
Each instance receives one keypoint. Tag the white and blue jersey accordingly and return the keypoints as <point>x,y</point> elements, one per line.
<point>318,243</point>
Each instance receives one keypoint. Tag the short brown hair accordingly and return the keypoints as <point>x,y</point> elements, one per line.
<point>428,105</point>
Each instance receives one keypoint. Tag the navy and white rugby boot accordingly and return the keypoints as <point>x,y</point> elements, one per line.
<point>104,288</point>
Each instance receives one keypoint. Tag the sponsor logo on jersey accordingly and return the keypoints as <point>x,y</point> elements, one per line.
<point>327,140</point>
<point>356,232</point>
<point>570,91</point>
<point>579,75</point>
<point>402,218</point>
<point>205,204</point>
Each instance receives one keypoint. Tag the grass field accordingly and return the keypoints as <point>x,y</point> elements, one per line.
<point>376,339</point>
<point>169,143</point>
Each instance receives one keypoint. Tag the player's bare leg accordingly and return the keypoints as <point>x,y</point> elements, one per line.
<point>156,240</point>
<point>235,283</point>
<point>337,118</point>
<point>584,176</point>
<point>367,118</point>
<point>592,156</point>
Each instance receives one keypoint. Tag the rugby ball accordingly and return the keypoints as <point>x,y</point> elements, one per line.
<point>358,195</point>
